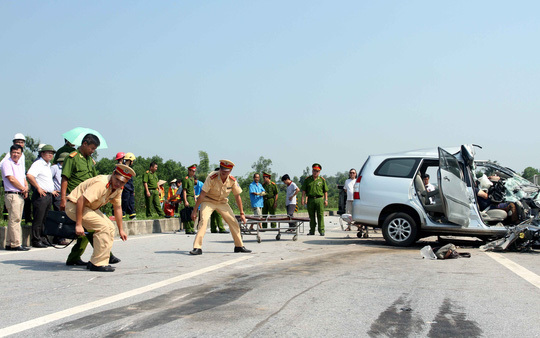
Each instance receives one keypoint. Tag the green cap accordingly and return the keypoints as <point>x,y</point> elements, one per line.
<point>265,174</point>
<point>316,166</point>
<point>62,157</point>
<point>47,147</point>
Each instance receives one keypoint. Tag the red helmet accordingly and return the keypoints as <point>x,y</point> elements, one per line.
<point>120,156</point>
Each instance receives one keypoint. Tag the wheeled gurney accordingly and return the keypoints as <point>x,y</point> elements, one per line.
<point>285,224</point>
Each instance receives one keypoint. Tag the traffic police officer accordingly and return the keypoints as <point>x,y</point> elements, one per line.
<point>188,196</point>
<point>78,167</point>
<point>150,183</point>
<point>83,205</point>
<point>315,188</point>
<point>216,189</point>
<point>270,199</point>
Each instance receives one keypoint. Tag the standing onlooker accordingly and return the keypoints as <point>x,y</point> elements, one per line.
<point>290,200</point>
<point>16,190</point>
<point>315,188</point>
<point>20,140</point>
<point>197,187</point>
<point>188,197</point>
<point>270,198</point>
<point>150,183</point>
<point>256,193</point>
<point>56,172</point>
<point>68,147</point>
<point>128,194</point>
<point>349,189</point>
<point>161,192</point>
<point>40,177</point>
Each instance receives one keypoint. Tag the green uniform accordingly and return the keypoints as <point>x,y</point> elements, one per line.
<point>78,169</point>
<point>269,208</point>
<point>188,185</point>
<point>315,190</point>
<point>216,222</point>
<point>151,179</point>
<point>66,148</point>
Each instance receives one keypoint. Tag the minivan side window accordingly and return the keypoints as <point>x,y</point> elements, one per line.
<point>398,167</point>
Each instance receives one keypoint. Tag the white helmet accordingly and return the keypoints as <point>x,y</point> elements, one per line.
<point>19,136</point>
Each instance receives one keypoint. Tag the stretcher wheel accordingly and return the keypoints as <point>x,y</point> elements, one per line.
<point>278,237</point>
<point>258,239</point>
<point>366,235</point>
<point>359,234</point>
<point>295,237</point>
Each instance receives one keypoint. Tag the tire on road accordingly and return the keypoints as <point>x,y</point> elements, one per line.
<point>400,229</point>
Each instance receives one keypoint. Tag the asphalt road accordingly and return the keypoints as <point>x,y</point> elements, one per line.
<point>337,285</point>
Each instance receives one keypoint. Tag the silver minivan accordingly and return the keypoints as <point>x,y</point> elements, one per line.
<point>390,193</point>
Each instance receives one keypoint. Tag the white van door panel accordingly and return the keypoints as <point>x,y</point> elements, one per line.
<point>453,189</point>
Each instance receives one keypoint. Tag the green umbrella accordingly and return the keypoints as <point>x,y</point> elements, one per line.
<point>76,135</point>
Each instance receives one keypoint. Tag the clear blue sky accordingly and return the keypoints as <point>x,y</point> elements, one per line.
<point>294,81</point>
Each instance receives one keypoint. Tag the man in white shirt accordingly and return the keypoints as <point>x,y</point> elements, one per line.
<point>40,177</point>
<point>349,189</point>
<point>290,200</point>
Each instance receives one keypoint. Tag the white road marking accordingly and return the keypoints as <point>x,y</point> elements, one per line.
<point>522,272</point>
<point>109,300</point>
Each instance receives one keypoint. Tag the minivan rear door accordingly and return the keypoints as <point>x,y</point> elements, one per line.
<point>453,189</point>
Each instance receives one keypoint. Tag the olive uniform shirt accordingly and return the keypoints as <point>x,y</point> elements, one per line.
<point>315,188</point>
<point>97,191</point>
<point>188,184</point>
<point>271,190</point>
<point>150,179</point>
<point>78,169</point>
<point>217,191</point>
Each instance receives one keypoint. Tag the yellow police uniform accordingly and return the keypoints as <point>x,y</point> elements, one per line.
<point>98,192</point>
<point>217,193</point>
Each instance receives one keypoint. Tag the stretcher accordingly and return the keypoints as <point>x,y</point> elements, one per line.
<point>285,224</point>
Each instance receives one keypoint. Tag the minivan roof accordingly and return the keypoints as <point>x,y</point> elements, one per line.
<point>427,152</point>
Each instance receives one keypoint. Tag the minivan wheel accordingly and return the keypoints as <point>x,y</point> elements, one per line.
<point>399,229</point>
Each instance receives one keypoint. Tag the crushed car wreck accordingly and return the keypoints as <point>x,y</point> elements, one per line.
<point>468,197</point>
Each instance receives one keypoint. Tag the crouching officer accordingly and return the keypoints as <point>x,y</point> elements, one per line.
<point>214,196</point>
<point>83,205</point>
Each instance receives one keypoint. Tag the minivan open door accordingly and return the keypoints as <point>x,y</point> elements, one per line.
<point>453,189</point>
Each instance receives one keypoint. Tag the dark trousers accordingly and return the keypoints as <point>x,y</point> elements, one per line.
<point>290,212</point>
<point>216,222</point>
<point>41,205</point>
<point>56,202</point>
<point>128,204</point>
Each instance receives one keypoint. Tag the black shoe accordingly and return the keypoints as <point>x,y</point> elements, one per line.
<point>195,251</point>
<point>190,232</point>
<point>311,234</point>
<point>322,233</point>
<point>105,268</point>
<point>77,262</point>
<point>113,259</point>
<point>214,232</point>
<point>224,232</point>
<point>241,249</point>
<point>18,248</point>
<point>39,245</point>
